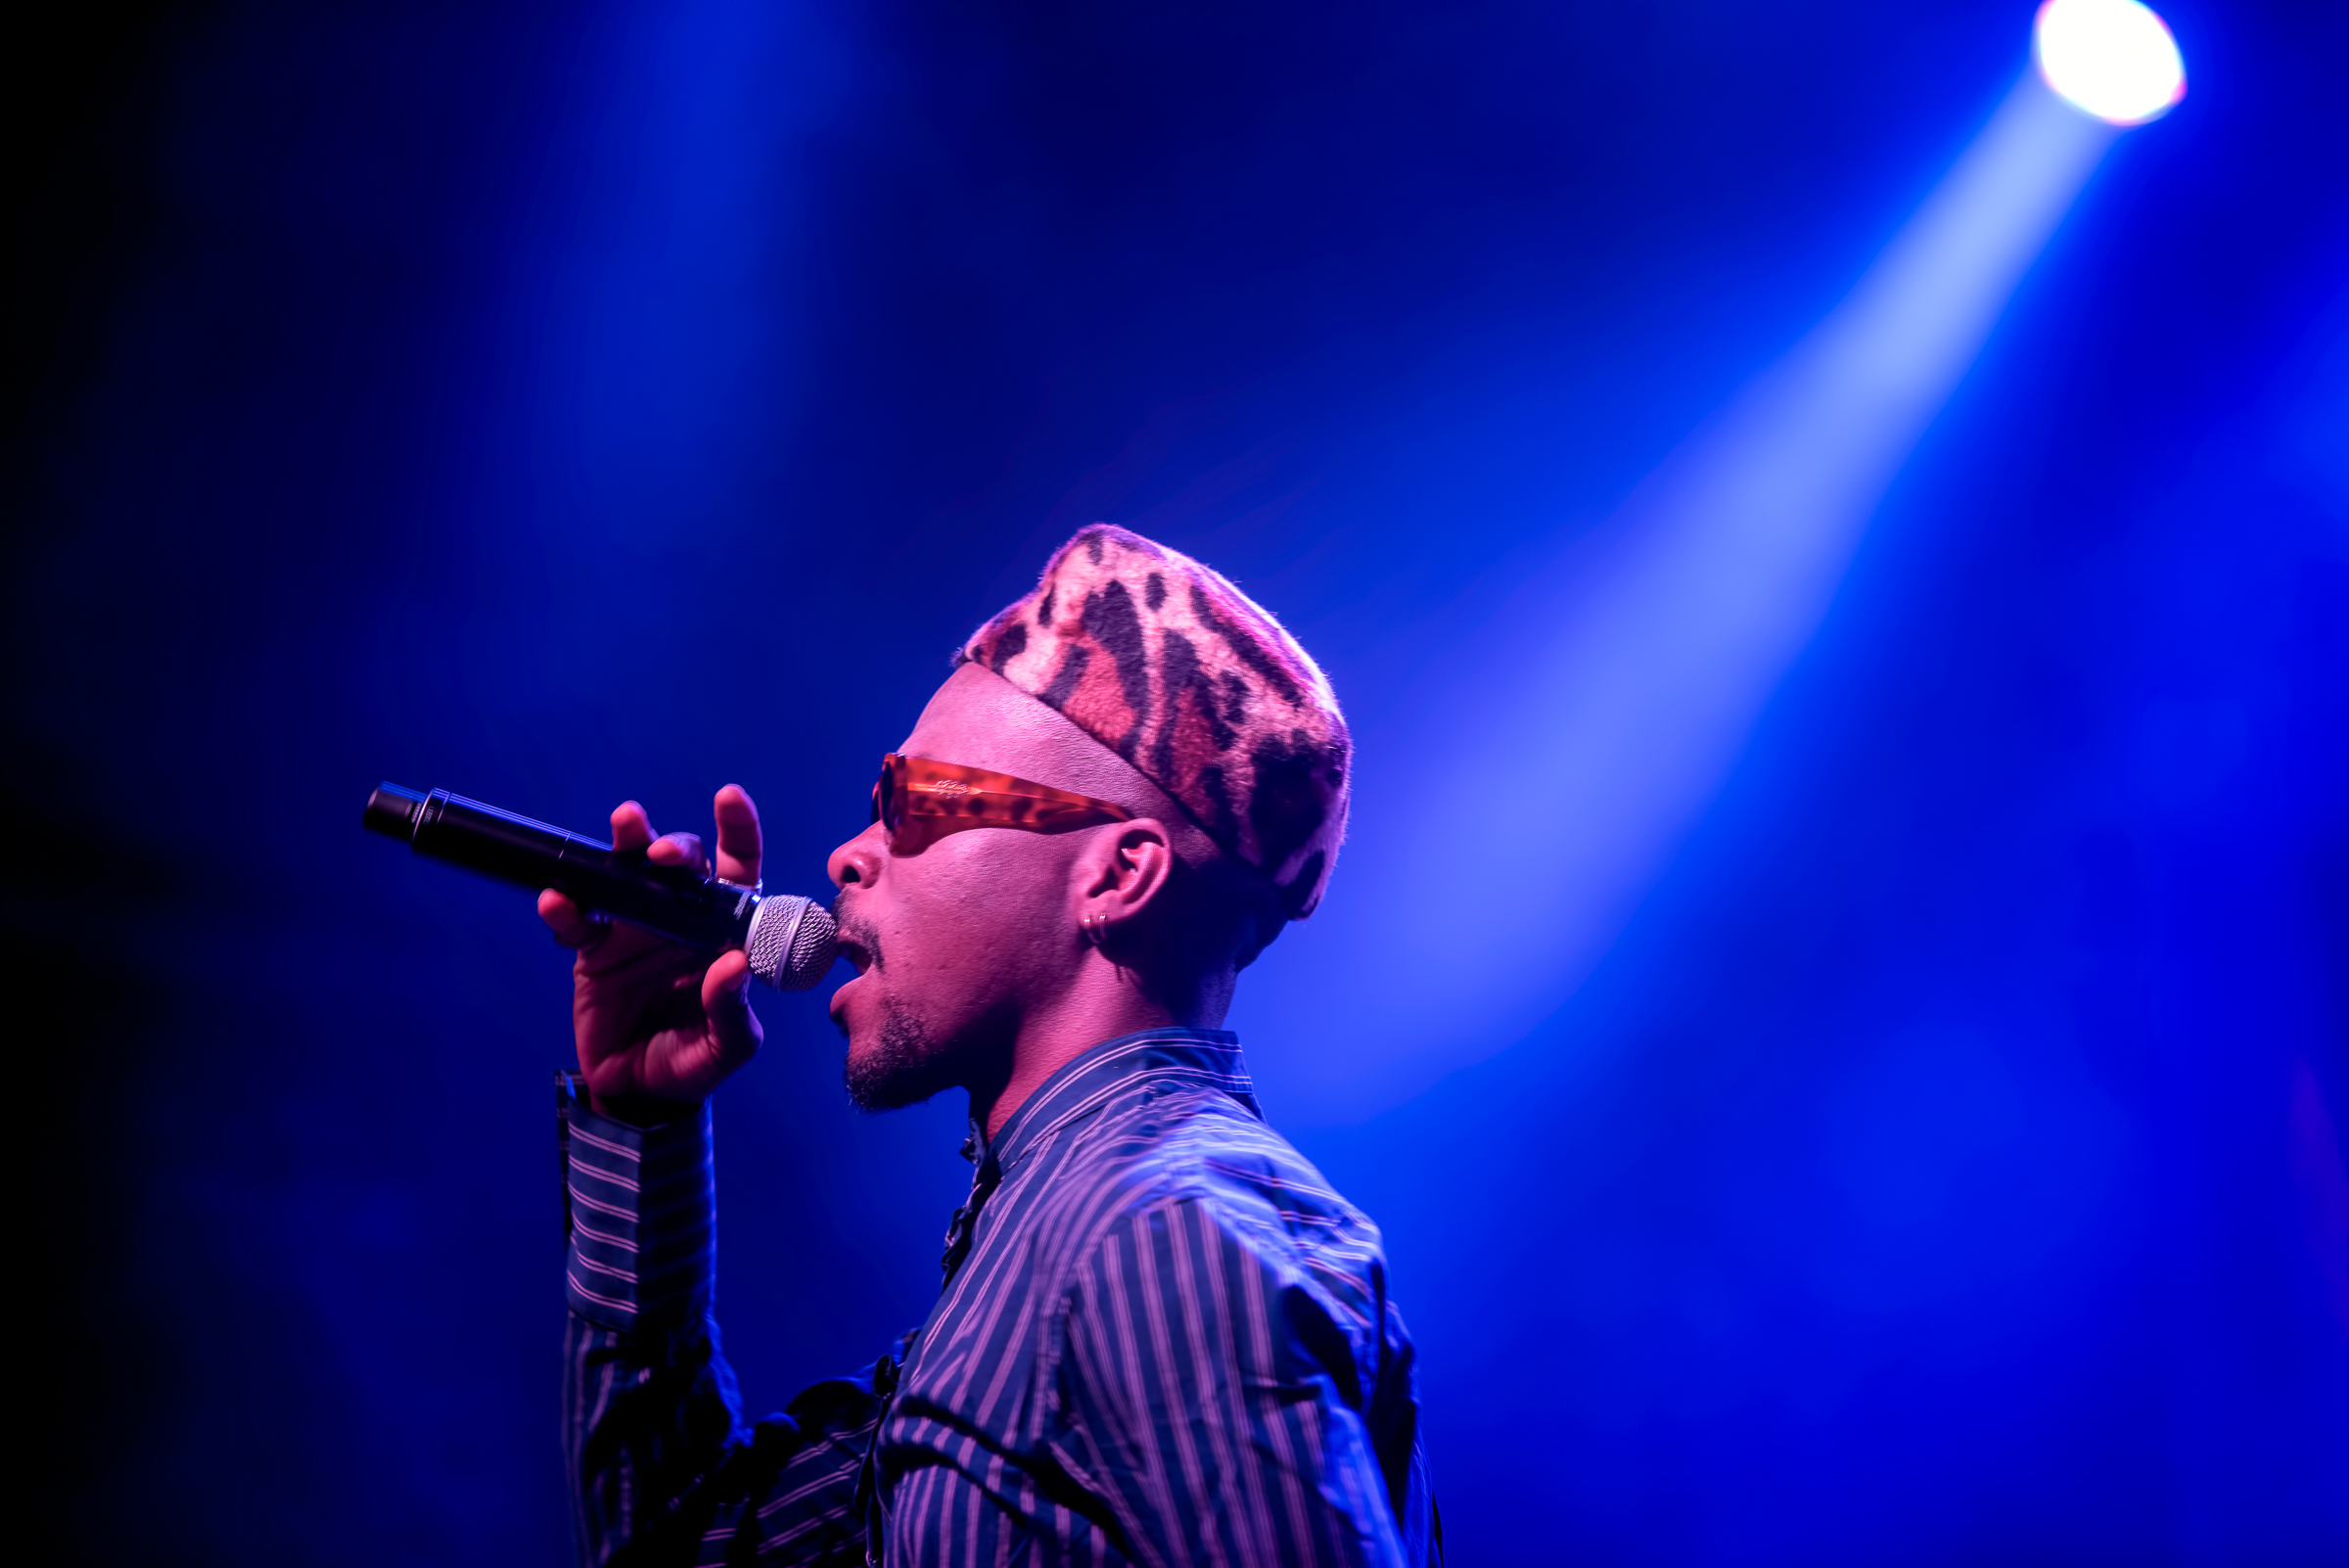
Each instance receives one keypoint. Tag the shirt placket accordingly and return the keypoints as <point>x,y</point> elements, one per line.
<point>888,1374</point>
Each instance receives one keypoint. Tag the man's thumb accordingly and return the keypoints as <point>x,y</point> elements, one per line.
<point>726,999</point>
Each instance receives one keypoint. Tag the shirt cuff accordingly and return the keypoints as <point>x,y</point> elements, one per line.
<point>641,1206</point>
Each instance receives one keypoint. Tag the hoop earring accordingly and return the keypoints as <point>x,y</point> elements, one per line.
<point>1095,930</point>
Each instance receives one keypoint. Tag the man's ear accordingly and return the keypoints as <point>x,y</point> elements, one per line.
<point>1123,871</point>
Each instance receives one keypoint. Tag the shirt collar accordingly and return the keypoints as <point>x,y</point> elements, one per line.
<point>1085,1084</point>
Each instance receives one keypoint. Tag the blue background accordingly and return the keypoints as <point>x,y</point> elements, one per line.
<point>559,403</point>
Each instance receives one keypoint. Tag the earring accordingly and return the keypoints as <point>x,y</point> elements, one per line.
<point>1095,928</point>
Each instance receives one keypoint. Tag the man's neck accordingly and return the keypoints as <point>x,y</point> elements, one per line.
<point>1103,1003</point>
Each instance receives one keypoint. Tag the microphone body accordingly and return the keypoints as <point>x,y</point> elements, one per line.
<point>790,941</point>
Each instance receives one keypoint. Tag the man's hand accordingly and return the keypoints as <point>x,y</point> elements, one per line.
<point>658,1026</point>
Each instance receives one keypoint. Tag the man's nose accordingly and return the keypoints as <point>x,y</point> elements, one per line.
<point>858,861</point>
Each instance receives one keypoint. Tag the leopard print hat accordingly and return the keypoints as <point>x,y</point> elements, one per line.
<point>1164,662</point>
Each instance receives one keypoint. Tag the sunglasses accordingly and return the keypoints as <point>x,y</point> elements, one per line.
<point>919,801</point>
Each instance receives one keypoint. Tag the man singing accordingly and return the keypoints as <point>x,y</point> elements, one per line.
<point>1162,1338</point>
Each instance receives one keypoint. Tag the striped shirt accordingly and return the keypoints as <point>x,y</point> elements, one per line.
<point>1162,1339</point>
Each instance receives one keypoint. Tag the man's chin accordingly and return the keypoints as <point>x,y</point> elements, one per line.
<point>901,1066</point>
<point>875,1087</point>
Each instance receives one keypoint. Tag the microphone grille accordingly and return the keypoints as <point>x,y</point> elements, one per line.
<point>792,942</point>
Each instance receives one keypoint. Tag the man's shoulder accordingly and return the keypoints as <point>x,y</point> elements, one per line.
<point>1206,1157</point>
<point>1215,1218</point>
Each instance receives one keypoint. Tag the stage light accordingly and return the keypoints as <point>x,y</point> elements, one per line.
<point>1602,695</point>
<point>2112,58</point>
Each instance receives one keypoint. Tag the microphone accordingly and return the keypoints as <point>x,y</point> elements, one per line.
<point>790,941</point>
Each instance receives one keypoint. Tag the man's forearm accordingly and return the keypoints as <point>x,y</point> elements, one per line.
<point>649,1410</point>
<point>663,1469</point>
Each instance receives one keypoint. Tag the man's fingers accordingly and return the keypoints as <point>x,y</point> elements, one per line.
<point>737,836</point>
<point>570,927</point>
<point>726,1001</point>
<point>638,1024</point>
<point>678,848</point>
<point>631,829</point>
<point>738,843</point>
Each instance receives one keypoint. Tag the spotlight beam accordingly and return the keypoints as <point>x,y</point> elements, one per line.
<point>1615,692</point>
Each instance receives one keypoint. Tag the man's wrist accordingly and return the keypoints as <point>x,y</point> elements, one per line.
<point>643,1111</point>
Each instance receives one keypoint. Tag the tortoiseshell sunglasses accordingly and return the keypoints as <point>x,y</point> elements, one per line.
<point>919,801</point>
